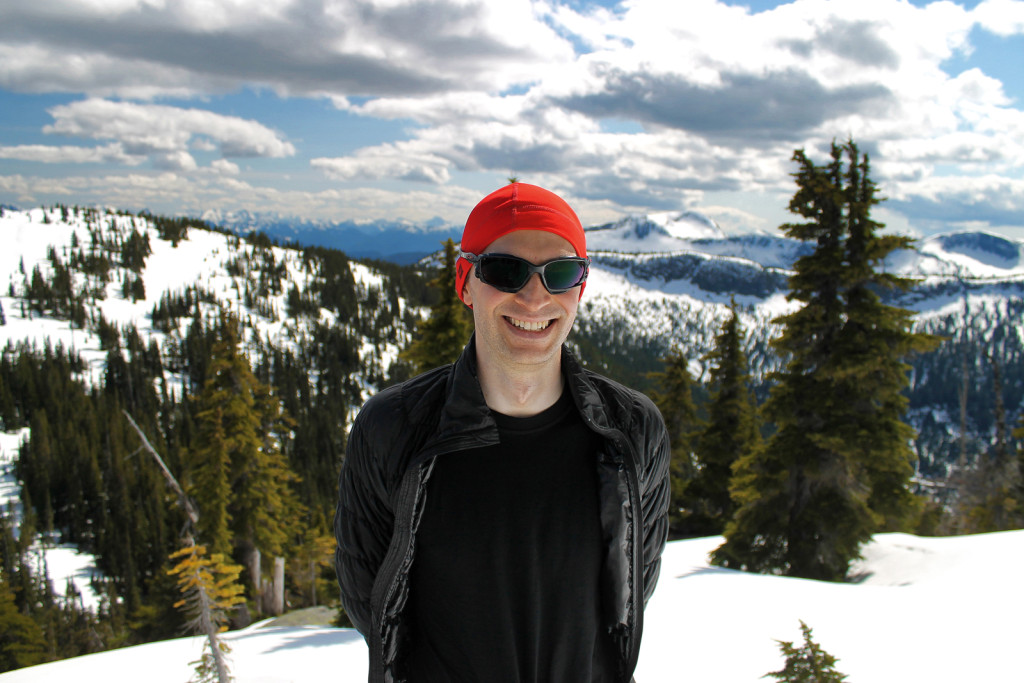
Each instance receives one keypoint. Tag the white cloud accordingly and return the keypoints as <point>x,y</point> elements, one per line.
<point>647,105</point>
<point>148,128</point>
<point>225,167</point>
<point>336,47</point>
<point>191,194</point>
<point>386,162</point>
<point>1002,17</point>
<point>69,154</point>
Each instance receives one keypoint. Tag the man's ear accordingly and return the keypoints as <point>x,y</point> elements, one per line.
<point>467,297</point>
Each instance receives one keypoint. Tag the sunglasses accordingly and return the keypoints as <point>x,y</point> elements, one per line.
<point>508,273</point>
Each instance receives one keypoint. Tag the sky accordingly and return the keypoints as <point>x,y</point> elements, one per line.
<point>415,109</point>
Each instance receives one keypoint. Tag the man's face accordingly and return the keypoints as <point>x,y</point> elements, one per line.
<point>523,329</point>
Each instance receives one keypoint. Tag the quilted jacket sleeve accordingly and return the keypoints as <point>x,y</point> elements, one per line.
<point>363,521</point>
<point>655,496</point>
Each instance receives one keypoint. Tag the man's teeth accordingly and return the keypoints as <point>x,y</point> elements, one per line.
<point>528,326</point>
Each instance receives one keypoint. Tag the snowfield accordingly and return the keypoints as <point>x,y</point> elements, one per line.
<point>925,610</point>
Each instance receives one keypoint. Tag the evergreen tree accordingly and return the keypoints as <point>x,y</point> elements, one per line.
<point>21,639</point>
<point>235,449</point>
<point>731,431</point>
<point>440,338</point>
<point>989,494</point>
<point>209,588</point>
<point>1018,488</point>
<point>211,479</point>
<point>838,466</point>
<point>674,398</point>
<point>808,663</point>
<point>870,372</point>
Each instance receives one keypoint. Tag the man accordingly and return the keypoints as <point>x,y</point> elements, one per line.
<point>503,518</point>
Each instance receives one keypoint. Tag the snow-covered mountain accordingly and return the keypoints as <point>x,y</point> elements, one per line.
<point>396,241</point>
<point>667,280</point>
<point>218,264</point>
<point>672,246</point>
<point>657,281</point>
<point>922,609</point>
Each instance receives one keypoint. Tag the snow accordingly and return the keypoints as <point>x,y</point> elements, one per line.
<point>932,610</point>
<point>10,489</point>
<point>62,563</point>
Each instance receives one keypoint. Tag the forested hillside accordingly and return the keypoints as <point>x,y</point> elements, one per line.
<point>109,314</point>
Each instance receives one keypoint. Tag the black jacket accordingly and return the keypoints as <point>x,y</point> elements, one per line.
<point>390,455</point>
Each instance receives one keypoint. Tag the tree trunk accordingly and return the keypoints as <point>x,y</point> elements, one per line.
<point>252,563</point>
<point>277,591</point>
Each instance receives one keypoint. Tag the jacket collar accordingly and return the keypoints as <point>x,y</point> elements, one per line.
<point>466,421</point>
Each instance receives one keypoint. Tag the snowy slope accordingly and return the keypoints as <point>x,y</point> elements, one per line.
<point>201,259</point>
<point>928,610</point>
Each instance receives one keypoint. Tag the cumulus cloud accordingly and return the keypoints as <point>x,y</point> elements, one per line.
<point>644,105</point>
<point>1002,17</point>
<point>386,161</point>
<point>165,136</point>
<point>191,194</point>
<point>69,154</point>
<point>722,96</point>
<point>150,128</point>
<point>293,46</point>
<point>985,199</point>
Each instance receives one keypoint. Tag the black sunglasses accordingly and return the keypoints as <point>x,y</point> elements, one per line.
<point>508,273</point>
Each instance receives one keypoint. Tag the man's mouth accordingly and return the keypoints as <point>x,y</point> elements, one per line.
<point>528,326</point>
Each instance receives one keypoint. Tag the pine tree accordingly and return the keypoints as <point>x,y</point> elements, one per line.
<point>440,338</point>
<point>21,640</point>
<point>989,494</point>
<point>838,466</point>
<point>211,477</point>
<point>236,449</point>
<point>808,663</point>
<point>869,366</point>
<point>731,431</point>
<point>210,589</point>
<point>674,398</point>
<point>1018,488</point>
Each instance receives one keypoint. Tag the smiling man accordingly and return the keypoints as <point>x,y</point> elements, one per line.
<point>502,519</point>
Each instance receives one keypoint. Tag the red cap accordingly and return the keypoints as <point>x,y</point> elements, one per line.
<point>517,206</point>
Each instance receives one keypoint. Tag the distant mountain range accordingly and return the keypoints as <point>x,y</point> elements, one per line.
<point>666,280</point>
<point>689,239</point>
<point>400,242</point>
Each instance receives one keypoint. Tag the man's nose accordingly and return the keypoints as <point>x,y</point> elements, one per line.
<point>533,291</point>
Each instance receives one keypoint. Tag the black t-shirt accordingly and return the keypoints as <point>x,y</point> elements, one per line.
<point>505,579</point>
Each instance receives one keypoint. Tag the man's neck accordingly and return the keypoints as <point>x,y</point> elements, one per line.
<point>520,393</point>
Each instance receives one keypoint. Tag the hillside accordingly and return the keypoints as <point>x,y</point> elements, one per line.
<point>923,610</point>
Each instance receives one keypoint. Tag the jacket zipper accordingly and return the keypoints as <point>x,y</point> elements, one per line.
<point>384,588</point>
<point>633,485</point>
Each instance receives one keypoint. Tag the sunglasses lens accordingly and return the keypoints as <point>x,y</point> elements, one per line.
<point>510,273</point>
<point>504,273</point>
<point>564,274</point>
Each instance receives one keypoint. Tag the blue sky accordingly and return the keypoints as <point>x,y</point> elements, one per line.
<point>414,109</point>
